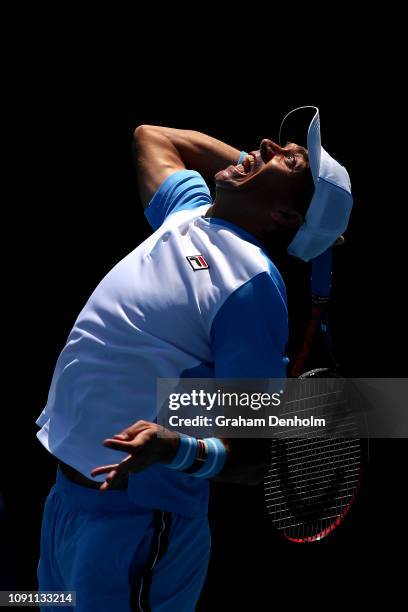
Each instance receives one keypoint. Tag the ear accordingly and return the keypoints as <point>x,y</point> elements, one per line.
<point>289,219</point>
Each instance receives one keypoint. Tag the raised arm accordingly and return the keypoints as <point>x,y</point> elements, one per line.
<point>160,151</point>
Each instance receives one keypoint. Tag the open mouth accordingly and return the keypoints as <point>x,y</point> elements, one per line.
<point>247,166</point>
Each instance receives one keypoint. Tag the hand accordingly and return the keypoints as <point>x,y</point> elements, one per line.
<point>144,446</point>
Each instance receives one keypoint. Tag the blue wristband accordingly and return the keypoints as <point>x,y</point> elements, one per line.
<point>241,157</point>
<point>186,453</point>
<point>216,456</point>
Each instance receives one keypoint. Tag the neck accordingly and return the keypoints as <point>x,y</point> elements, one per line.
<point>273,238</point>
<point>238,216</point>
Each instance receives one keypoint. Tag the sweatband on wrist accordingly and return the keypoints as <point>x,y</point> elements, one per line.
<point>186,453</point>
<point>216,456</point>
<point>241,157</point>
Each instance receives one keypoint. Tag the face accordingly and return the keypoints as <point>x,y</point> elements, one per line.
<point>270,173</point>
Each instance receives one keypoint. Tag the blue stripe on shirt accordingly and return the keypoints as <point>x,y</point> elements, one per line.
<point>250,331</point>
<point>182,190</point>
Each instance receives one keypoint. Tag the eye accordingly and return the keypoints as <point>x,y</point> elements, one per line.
<point>291,159</point>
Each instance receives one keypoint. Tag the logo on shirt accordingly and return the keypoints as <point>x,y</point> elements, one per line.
<point>197,262</point>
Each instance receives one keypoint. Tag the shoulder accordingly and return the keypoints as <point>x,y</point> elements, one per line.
<point>182,190</point>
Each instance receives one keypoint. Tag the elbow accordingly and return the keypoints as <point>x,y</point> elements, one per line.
<point>142,132</point>
<point>141,138</point>
<point>144,138</point>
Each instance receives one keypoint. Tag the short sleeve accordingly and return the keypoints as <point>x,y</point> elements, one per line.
<point>182,190</point>
<point>250,331</point>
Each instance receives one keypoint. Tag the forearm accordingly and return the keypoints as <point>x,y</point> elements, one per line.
<point>199,151</point>
<point>239,461</point>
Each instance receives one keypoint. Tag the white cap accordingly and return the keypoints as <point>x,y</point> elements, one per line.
<point>328,214</point>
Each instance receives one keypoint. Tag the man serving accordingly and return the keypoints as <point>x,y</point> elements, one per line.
<point>125,525</point>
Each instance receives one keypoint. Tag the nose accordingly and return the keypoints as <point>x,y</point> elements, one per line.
<point>269,149</point>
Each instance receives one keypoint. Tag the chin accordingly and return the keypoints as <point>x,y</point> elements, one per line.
<point>222,175</point>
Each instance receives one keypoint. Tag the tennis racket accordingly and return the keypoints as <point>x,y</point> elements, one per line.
<point>314,479</point>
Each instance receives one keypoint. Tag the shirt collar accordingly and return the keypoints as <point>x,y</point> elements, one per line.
<point>235,228</point>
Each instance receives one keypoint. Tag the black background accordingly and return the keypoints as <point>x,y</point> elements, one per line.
<point>77,213</point>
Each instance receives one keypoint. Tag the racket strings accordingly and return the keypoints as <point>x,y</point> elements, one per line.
<point>304,459</point>
<point>321,481</point>
<point>310,483</point>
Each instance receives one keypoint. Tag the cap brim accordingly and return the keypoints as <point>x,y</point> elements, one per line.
<point>302,126</point>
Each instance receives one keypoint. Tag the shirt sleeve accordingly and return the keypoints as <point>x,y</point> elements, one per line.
<point>182,190</point>
<point>250,331</point>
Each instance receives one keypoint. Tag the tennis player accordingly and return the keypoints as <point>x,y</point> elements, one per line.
<point>125,525</point>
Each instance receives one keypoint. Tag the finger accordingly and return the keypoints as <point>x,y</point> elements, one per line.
<point>129,464</point>
<point>108,481</point>
<point>121,470</point>
<point>133,430</point>
<point>121,445</point>
<point>134,464</point>
<point>340,241</point>
<point>103,469</point>
<point>125,465</point>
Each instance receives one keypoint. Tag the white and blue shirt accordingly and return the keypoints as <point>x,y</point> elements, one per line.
<point>198,298</point>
